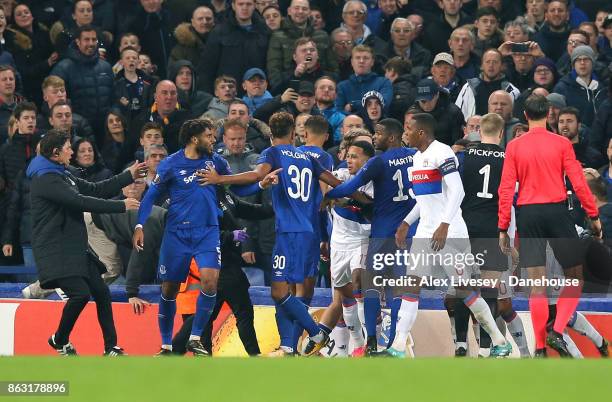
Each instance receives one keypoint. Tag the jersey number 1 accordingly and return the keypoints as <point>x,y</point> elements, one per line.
<point>302,180</point>
<point>486,171</point>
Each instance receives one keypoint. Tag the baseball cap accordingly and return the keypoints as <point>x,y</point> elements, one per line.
<point>252,72</point>
<point>445,57</point>
<point>426,90</point>
<point>306,88</point>
<point>556,100</point>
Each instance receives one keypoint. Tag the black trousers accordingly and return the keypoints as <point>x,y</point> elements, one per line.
<point>79,290</point>
<point>240,302</point>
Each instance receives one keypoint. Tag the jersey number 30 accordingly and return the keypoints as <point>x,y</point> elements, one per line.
<point>302,179</point>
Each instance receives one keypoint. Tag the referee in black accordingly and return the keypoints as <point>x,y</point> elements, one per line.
<point>539,161</point>
<point>59,236</point>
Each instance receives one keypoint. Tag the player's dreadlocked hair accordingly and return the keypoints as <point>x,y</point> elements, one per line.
<point>192,128</point>
<point>281,124</point>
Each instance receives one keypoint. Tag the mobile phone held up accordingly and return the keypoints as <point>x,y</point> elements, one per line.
<point>519,48</point>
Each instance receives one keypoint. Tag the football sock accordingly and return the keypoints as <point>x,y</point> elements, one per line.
<point>452,328</point>
<point>285,327</point>
<point>580,323</point>
<point>516,329</point>
<point>571,346</point>
<point>360,310</point>
<point>371,309</point>
<point>405,320</point>
<point>351,318</point>
<point>538,306</point>
<point>204,308</point>
<point>481,312</point>
<point>566,306</point>
<point>462,321</point>
<point>484,352</point>
<point>342,339</point>
<point>298,312</point>
<point>165,319</point>
<point>298,330</point>
<point>490,297</point>
<point>396,302</point>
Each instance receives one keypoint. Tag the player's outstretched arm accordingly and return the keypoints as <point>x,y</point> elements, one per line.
<point>211,176</point>
<point>271,179</point>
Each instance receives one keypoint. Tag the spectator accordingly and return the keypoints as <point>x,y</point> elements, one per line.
<point>191,37</point>
<point>591,29</point>
<point>536,12</point>
<point>300,128</point>
<point>552,37</point>
<point>65,31</point>
<point>397,70</point>
<point>6,36</point>
<point>145,64</point>
<point>556,102</point>
<point>318,21</point>
<point>154,154</point>
<point>516,31</point>
<point>154,25</point>
<point>307,66</point>
<point>133,88</point>
<point>166,112</point>
<point>486,30</point>
<point>605,41</point>
<point>544,75</point>
<point>261,5</point>
<point>576,38</point>
<point>569,126</point>
<point>151,133</point>
<point>60,118</point>
<point>474,96</point>
<point>402,44</point>
<point>9,99</point>
<point>235,45</point>
<point>449,120</point>
<point>258,133</point>
<point>286,57</point>
<point>126,40</point>
<point>225,92</point>
<point>354,14</point>
<point>255,85</point>
<point>606,171</point>
<point>342,44</point>
<point>273,17</point>
<point>17,229</point>
<point>16,153</point>
<point>580,88</point>
<point>381,18</point>
<point>29,43</point>
<point>88,78</point>
<point>372,109</point>
<point>443,72</point>
<point>184,76</point>
<point>418,23</point>
<point>325,98</point>
<point>351,122</point>
<point>54,91</point>
<point>291,101</point>
<point>116,127</point>
<point>519,69</point>
<point>467,63</point>
<point>500,102</point>
<point>602,126</point>
<point>351,91</point>
<point>86,162</point>
<point>440,29</point>
<point>472,125</point>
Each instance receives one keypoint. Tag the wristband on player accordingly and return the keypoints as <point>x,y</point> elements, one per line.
<point>139,226</point>
<point>502,230</point>
<point>260,186</point>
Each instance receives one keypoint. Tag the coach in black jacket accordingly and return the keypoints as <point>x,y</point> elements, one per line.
<point>59,236</point>
<point>233,286</point>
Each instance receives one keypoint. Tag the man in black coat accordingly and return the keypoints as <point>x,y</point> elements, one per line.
<point>59,236</point>
<point>234,46</point>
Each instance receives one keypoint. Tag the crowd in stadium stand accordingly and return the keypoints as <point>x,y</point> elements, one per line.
<point>122,76</point>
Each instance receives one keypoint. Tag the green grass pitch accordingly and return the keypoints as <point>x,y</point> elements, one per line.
<point>136,379</point>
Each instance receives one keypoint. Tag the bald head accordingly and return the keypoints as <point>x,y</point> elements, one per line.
<point>500,102</point>
<point>351,122</point>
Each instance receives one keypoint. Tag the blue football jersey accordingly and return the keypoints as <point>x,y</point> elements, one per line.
<point>191,205</point>
<point>293,196</point>
<point>327,162</point>
<point>393,198</point>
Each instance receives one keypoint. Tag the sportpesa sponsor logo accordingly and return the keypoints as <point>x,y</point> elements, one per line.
<point>400,161</point>
<point>486,153</point>
<point>190,178</point>
<point>296,155</point>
